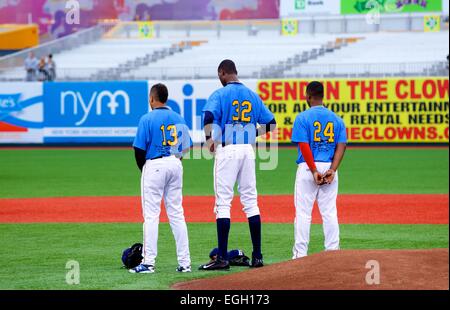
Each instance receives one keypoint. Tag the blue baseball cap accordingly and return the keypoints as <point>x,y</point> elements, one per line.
<point>125,254</point>
<point>231,255</point>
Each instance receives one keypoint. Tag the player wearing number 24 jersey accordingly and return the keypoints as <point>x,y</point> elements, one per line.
<point>322,129</point>
<point>321,138</point>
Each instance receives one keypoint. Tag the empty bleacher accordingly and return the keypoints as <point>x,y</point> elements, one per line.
<point>88,61</point>
<point>177,55</point>
<point>250,55</point>
<point>386,54</point>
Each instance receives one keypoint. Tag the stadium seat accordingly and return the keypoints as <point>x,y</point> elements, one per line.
<point>266,55</point>
<point>381,54</point>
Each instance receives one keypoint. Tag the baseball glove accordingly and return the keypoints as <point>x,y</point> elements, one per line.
<point>132,256</point>
<point>240,260</point>
<point>235,257</point>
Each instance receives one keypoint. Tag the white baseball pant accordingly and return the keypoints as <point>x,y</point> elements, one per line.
<point>235,163</point>
<point>163,178</point>
<point>306,193</point>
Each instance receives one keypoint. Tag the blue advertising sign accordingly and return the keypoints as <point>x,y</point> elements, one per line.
<point>190,108</point>
<point>21,113</point>
<point>104,112</point>
<point>9,103</point>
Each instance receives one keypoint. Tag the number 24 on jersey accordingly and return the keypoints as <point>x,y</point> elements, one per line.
<point>327,132</point>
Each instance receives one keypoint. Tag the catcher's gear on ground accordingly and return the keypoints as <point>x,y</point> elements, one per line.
<point>235,257</point>
<point>132,256</point>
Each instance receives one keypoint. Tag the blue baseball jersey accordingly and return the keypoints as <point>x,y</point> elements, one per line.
<point>161,133</point>
<point>237,110</point>
<point>322,129</point>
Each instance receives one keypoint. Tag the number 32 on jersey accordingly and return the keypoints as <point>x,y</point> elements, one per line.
<point>327,132</point>
<point>242,111</point>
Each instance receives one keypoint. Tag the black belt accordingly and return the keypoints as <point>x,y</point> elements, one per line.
<point>226,144</point>
<point>157,158</point>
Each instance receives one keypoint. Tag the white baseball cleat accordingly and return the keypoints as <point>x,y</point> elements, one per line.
<point>143,269</point>
<point>183,269</point>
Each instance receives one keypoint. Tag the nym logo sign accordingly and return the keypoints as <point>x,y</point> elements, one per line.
<point>95,104</point>
<point>80,106</point>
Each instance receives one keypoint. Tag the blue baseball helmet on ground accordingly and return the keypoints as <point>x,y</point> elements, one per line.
<point>132,256</point>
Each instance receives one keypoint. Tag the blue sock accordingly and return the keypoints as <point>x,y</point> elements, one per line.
<point>223,229</point>
<point>255,232</point>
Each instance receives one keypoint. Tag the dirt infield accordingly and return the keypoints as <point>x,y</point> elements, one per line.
<point>342,270</point>
<point>353,209</point>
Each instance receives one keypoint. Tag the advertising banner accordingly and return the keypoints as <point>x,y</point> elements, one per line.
<point>188,98</point>
<point>394,110</point>
<point>21,113</point>
<point>289,27</point>
<point>407,110</point>
<point>93,112</point>
<point>50,15</point>
<point>389,6</point>
<point>432,23</point>
<point>146,30</point>
<point>296,8</point>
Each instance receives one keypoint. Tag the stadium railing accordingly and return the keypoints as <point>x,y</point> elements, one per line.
<point>254,72</point>
<point>307,25</point>
<point>369,70</point>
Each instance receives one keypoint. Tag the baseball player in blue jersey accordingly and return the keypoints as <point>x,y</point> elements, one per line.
<point>231,116</point>
<point>161,139</point>
<point>321,138</point>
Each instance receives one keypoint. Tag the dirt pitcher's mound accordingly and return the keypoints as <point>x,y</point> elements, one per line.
<point>341,270</point>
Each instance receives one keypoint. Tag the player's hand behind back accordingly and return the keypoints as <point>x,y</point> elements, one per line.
<point>318,178</point>
<point>211,146</point>
<point>328,177</point>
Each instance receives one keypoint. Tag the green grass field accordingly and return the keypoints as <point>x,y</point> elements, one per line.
<point>56,173</point>
<point>34,256</point>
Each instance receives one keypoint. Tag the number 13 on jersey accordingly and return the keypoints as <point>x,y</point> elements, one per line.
<point>172,129</point>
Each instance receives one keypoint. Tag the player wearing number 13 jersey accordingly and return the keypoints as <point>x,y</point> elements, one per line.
<point>231,116</point>
<point>161,139</point>
<point>321,138</point>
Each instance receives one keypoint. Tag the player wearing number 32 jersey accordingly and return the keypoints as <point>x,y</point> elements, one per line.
<point>321,138</point>
<point>231,116</point>
<point>161,139</point>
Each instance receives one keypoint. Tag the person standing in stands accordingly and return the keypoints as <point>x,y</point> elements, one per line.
<point>31,67</point>
<point>51,68</point>
<point>43,75</point>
